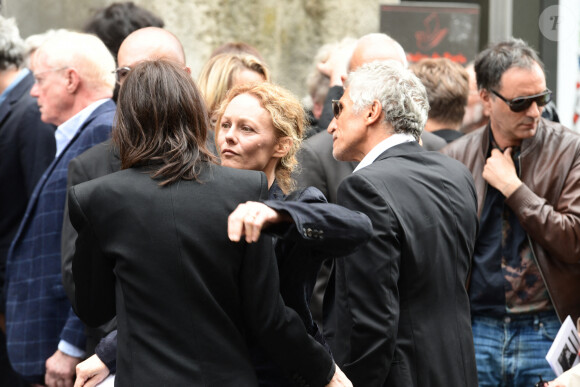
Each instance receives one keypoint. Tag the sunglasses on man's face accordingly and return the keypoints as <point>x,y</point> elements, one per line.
<point>121,73</point>
<point>520,104</point>
<point>336,108</point>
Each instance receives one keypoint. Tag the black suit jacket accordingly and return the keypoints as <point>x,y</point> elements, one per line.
<point>401,313</point>
<point>100,160</point>
<point>186,298</point>
<point>27,147</point>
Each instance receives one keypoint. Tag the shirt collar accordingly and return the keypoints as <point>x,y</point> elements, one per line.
<point>21,75</point>
<point>67,130</point>
<point>391,141</point>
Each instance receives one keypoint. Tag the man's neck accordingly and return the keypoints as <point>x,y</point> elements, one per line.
<point>373,139</point>
<point>7,77</point>
<point>434,125</point>
<point>85,99</point>
<point>503,142</point>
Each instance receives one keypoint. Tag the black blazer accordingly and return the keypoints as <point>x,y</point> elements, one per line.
<point>401,313</point>
<point>100,160</point>
<point>27,147</point>
<point>186,298</point>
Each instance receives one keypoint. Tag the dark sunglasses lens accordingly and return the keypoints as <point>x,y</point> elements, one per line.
<point>543,100</point>
<point>520,104</point>
<point>336,108</point>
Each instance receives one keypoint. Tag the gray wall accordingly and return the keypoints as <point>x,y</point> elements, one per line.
<point>287,33</point>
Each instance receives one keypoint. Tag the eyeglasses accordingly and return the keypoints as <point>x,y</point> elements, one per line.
<point>121,73</point>
<point>336,108</point>
<point>520,104</point>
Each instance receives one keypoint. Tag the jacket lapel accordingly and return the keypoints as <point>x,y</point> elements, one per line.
<point>105,106</point>
<point>15,95</point>
<point>34,198</point>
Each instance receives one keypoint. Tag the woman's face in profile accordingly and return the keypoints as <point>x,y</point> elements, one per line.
<point>246,136</point>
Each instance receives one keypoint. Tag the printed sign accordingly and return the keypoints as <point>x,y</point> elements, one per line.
<point>433,30</point>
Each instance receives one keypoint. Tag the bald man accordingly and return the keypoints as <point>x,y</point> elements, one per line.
<point>144,44</point>
<point>147,44</point>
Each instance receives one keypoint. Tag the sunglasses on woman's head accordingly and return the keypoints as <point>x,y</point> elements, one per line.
<point>520,104</point>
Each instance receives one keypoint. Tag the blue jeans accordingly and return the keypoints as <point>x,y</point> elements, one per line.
<point>511,351</point>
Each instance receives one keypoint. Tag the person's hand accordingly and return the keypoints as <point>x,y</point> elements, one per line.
<point>500,172</point>
<point>336,66</point>
<point>250,218</point>
<point>339,379</point>
<point>60,370</point>
<point>91,372</point>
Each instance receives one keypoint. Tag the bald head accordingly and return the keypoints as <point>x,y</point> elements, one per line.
<point>150,43</point>
<point>375,47</point>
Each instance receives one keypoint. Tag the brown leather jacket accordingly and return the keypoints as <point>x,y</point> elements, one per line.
<point>547,204</point>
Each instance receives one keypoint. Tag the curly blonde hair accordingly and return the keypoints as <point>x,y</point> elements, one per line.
<point>288,119</point>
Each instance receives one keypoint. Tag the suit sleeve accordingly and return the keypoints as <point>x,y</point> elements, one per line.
<point>73,332</point>
<point>37,146</point>
<point>76,175</point>
<point>365,340</point>
<point>278,329</point>
<point>92,271</point>
<point>311,172</point>
<point>329,230</point>
<point>106,351</point>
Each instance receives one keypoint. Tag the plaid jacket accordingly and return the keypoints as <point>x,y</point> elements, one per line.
<point>38,312</point>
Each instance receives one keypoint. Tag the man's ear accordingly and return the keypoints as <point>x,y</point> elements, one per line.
<point>374,112</point>
<point>283,147</point>
<point>486,98</point>
<point>73,80</point>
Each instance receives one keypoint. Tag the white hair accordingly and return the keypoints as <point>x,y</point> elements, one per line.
<point>401,94</point>
<point>86,53</point>
<point>33,42</point>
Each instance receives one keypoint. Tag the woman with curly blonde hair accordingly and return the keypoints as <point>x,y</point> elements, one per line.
<point>260,127</point>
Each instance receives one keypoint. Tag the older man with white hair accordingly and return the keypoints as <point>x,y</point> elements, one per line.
<point>74,84</point>
<point>400,315</point>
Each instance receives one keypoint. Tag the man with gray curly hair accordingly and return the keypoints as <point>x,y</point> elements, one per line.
<point>400,314</point>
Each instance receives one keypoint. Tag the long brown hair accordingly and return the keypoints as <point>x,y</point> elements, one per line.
<point>162,121</point>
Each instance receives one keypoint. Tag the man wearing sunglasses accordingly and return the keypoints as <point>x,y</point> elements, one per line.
<point>400,311</point>
<point>525,275</point>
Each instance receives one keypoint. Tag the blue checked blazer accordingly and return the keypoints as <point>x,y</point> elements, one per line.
<point>38,312</point>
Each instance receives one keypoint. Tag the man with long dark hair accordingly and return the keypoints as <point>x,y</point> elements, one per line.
<point>153,249</point>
